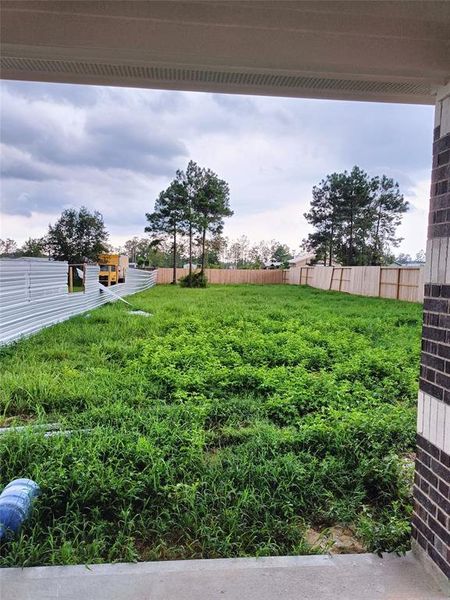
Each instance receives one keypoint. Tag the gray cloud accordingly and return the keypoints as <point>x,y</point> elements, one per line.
<point>114,149</point>
<point>115,138</point>
<point>26,198</point>
<point>77,95</point>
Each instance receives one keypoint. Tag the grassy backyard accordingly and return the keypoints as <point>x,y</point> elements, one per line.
<point>230,423</point>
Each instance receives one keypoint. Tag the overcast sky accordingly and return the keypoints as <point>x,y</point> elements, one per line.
<point>115,149</point>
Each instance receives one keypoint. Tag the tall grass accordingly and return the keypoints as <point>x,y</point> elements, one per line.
<point>225,425</point>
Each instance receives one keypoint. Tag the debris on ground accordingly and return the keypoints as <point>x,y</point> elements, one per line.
<point>334,540</point>
<point>48,430</point>
<point>45,427</point>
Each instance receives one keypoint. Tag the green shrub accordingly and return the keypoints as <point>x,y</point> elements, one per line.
<point>194,280</point>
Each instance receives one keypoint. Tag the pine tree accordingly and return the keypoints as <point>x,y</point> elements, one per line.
<point>389,206</point>
<point>169,217</point>
<point>211,206</point>
<point>355,218</point>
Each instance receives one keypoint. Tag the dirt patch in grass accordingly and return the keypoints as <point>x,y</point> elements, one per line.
<point>334,540</point>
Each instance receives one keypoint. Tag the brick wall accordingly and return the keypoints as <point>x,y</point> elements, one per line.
<point>431,517</point>
<point>439,215</point>
<point>431,520</point>
<point>435,360</point>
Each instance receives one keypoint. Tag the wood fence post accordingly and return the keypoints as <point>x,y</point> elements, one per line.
<point>70,279</point>
<point>331,279</point>
<point>340,280</point>
<point>398,282</point>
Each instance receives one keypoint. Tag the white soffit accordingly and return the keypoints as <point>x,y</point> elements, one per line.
<point>393,51</point>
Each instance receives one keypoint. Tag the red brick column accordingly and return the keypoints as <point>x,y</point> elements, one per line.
<point>431,519</point>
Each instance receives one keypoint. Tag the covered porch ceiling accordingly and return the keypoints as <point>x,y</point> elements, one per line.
<point>388,51</point>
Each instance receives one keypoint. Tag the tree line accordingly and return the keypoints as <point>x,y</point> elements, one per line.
<point>354,219</point>
<point>220,252</point>
<point>78,236</point>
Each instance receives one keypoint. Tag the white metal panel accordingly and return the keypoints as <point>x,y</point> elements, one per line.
<point>34,294</point>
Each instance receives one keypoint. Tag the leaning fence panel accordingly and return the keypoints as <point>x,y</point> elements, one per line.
<point>34,294</point>
<point>400,283</point>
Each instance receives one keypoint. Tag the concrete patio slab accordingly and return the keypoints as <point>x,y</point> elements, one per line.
<point>344,577</point>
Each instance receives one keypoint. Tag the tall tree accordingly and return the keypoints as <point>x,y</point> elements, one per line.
<point>282,254</point>
<point>8,247</point>
<point>132,247</point>
<point>389,206</point>
<point>169,217</point>
<point>77,236</point>
<point>259,254</point>
<point>216,247</point>
<point>421,256</point>
<point>323,215</point>
<point>193,181</point>
<point>211,206</point>
<point>239,252</point>
<point>34,247</point>
<point>355,218</point>
<point>194,204</point>
<point>403,258</point>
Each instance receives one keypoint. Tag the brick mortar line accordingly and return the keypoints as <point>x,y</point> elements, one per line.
<point>423,478</point>
<point>443,399</point>
<point>429,482</point>
<point>432,532</point>
<point>432,472</point>
<point>435,382</point>
<point>439,451</point>
<point>438,460</point>
<point>436,369</point>
<point>437,507</point>
<point>444,544</point>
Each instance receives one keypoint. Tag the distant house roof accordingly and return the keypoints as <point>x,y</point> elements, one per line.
<point>409,263</point>
<point>306,259</point>
<point>302,257</point>
<point>272,263</point>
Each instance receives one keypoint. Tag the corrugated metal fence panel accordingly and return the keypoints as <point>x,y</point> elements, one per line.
<point>34,294</point>
<point>14,281</point>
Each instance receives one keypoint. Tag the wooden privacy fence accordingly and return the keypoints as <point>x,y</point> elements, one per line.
<point>400,283</point>
<point>228,276</point>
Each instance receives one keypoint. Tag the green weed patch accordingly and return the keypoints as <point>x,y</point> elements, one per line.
<point>229,423</point>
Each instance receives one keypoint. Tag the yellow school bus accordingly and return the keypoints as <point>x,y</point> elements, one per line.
<point>113,268</point>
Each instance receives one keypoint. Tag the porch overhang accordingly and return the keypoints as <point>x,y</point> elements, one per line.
<point>392,51</point>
